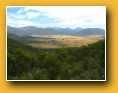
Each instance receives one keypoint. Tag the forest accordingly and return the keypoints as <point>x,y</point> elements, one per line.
<point>74,63</point>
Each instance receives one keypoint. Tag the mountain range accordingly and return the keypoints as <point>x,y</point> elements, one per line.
<point>32,30</point>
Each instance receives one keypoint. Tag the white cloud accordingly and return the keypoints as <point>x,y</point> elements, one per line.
<point>31,15</point>
<point>15,16</point>
<point>19,23</point>
<point>20,11</point>
<point>75,16</point>
<point>19,15</point>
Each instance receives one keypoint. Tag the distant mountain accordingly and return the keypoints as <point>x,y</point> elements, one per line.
<point>63,31</point>
<point>32,30</point>
<point>29,30</point>
<point>91,31</point>
<point>67,31</point>
<point>78,29</point>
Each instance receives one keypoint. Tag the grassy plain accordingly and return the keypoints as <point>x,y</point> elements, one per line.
<point>61,41</point>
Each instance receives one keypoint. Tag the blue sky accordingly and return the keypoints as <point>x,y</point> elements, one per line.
<point>57,16</point>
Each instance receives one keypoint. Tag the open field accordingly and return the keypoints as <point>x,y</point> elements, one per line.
<point>58,41</point>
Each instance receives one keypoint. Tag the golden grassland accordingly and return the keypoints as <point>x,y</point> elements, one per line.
<point>59,41</point>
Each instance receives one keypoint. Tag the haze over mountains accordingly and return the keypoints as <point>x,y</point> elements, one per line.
<point>32,30</point>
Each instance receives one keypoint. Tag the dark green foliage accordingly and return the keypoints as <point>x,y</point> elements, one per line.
<point>27,63</point>
<point>14,44</point>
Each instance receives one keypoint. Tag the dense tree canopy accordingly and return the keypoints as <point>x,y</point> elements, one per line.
<point>83,63</point>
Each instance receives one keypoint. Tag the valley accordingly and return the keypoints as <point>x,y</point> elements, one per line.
<point>56,41</point>
<point>27,63</point>
<point>61,41</point>
<point>55,37</point>
<point>45,43</point>
<point>37,55</point>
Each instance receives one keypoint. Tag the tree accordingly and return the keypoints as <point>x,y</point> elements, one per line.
<point>52,65</point>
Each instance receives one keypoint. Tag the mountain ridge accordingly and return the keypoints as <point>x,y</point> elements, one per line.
<point>32,30</point>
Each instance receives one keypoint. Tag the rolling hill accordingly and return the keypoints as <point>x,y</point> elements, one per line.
<point>90,31</point>
<point>32,30</point>
<point>83,63</point>
<point>29,30</point>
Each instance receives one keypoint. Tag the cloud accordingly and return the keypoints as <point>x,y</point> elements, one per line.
<point>72,16</point>
<point>31,15</point>
<point>20,11</point>
<point>19,23</point>
<point>20,15</point>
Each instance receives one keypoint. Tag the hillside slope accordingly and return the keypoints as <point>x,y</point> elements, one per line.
<point>84,63</point>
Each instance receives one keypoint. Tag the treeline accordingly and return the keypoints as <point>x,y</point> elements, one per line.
<point>27,63</point>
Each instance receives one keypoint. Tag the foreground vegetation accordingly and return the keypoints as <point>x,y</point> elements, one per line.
<point>83,63</point>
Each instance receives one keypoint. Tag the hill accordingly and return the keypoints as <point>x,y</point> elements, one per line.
<point>83,63</point>
<point>32,30</point>
<point>29,30</point>
<point>90,31</point>
<point>13,45</point>
<point>67,31</point>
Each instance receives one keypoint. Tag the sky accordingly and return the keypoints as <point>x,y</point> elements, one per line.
<point>57,16</point>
